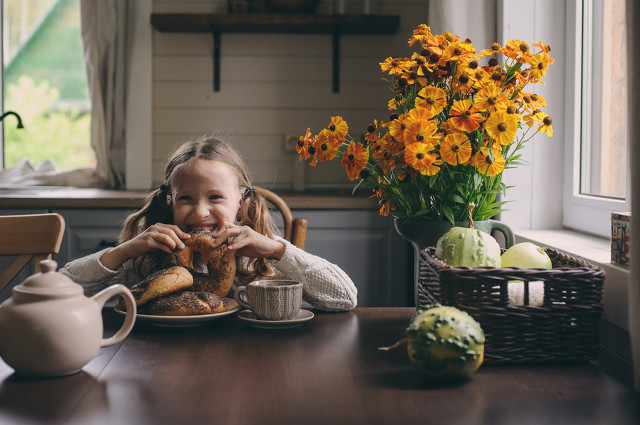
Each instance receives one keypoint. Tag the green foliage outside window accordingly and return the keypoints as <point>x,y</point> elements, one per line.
<point>51,130</point>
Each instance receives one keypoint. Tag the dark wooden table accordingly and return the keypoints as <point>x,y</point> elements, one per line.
<point>328,371</point>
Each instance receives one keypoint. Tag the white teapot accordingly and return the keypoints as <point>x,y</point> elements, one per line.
<point>50,328</point>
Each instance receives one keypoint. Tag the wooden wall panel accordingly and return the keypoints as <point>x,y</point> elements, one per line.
<point>271,86</point>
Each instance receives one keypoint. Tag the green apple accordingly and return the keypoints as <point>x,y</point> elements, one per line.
<point>526,256</point>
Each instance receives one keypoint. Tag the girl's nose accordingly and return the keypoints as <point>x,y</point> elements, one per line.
<point>202,209</point>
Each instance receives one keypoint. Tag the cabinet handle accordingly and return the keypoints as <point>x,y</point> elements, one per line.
<point>104,243</point>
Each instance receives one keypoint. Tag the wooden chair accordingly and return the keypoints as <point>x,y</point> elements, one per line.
<point>35,236</point>
<point>295,229</point>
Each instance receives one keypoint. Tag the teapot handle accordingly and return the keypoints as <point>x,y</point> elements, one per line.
<point>101,297</point>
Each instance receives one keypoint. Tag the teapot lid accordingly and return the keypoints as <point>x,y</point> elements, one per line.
<point>48,283</point>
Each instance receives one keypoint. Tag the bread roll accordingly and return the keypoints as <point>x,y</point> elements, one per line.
<point>187,303</point>
<point>162,283</point>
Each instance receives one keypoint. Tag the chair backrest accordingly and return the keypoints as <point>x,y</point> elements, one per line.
<point>295,229</point>
<point>34,236</point>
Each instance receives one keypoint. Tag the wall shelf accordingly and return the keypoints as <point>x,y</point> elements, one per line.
<point>265,23</point>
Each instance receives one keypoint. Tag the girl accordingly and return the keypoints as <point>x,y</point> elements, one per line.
<point>206,185</point>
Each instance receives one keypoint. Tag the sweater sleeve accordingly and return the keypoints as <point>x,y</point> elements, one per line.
<point>93,276</point>
<point>325,285</point>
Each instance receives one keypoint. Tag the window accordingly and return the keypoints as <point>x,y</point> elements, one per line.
<point>598,181</point>
<point>44,81</point>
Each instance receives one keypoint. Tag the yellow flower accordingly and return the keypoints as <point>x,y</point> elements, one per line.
<point>338,129</point>
<point>433,99</point>
<point>326,146</point>
<point>420,34</point>
<point>418,155</point>
<point>502,127</point>
<point>302,147</point>
<point>490,162</point>
<point>516,48</point>
<point>372,130</point>
<point>355,159</point>
<point>545,127</point>
<point>539,64</point>
<point>393,65</point>
<point>489,97</point>
<point>396,128</point>
<point>420,128</point>
<point>534,117</point>
<point>455,148</point>
<point>465,116</point>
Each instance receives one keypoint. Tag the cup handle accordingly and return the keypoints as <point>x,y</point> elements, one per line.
<point>237,295</point>
<point>509,238</point>
<point>101,297</point>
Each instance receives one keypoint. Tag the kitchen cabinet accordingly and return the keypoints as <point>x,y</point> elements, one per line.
<point>364,244</point>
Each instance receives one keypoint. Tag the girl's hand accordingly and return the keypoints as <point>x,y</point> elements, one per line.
<point>244,241</point>
<point>163,237</point>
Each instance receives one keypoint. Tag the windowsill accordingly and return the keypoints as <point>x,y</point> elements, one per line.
<point>595,250</point>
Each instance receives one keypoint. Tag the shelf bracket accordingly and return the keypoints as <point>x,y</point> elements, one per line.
<point>216,58</point>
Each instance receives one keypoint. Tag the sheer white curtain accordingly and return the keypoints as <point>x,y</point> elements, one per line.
<point>104,36</point>
<point>633,40</point>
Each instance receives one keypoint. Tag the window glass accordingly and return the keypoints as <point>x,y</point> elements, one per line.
<point>44,81</point>
<point>603,162</point>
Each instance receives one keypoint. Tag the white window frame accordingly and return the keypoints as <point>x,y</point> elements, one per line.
<point>139,129</point>
<point>585,213</point>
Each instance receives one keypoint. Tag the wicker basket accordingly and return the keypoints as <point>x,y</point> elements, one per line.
<point>563,327</point>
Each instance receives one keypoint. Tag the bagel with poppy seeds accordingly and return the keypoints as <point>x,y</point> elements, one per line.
<point>161,283</point>
<point>186,303</point>
<point>220,274</point>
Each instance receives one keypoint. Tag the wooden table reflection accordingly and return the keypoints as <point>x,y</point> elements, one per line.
<point>326,371</point>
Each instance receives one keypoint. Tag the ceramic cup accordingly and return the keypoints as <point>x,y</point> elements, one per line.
<point>271,299</point>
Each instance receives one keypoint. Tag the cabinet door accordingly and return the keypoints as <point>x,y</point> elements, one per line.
<point>90,230</point>
<point>5,261</point>
<point>367,247</point>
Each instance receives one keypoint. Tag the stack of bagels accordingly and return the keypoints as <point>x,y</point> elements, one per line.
<point>179,290</point>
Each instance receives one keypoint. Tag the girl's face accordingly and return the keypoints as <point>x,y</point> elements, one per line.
<point>205,195</point>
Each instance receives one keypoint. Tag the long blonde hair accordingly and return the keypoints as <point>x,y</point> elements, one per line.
<point>254,211</point>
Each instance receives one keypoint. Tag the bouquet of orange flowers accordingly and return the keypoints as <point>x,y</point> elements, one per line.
<point>454,126</point>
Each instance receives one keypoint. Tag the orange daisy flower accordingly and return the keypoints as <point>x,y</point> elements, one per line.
<point>420,157</point>
<point>302,147</point>
<point>397,126</point>
<point>419,128</point>
<point>455,148</point>
<point>465,116</point>
<point>539,64</point>
<point>502,127</point>
<point>326,146</point>
<point>491,163</point>
<point>394,66</point>
<point>338,129</point>
<point>489,97</point>
<point>545,127</point>
<point>355,159</point>
<point>433,99</point>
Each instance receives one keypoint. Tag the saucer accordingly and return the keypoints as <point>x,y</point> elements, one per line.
<point>249,317</point>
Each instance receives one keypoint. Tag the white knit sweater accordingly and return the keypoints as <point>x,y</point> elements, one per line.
<point>325,285</point>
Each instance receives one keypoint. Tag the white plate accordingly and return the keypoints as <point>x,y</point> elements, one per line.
<point>253,320</point>
<point>183,321</point>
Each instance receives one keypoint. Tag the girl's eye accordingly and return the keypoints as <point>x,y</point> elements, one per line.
<point>184,198</point>
<point>214,197</point>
